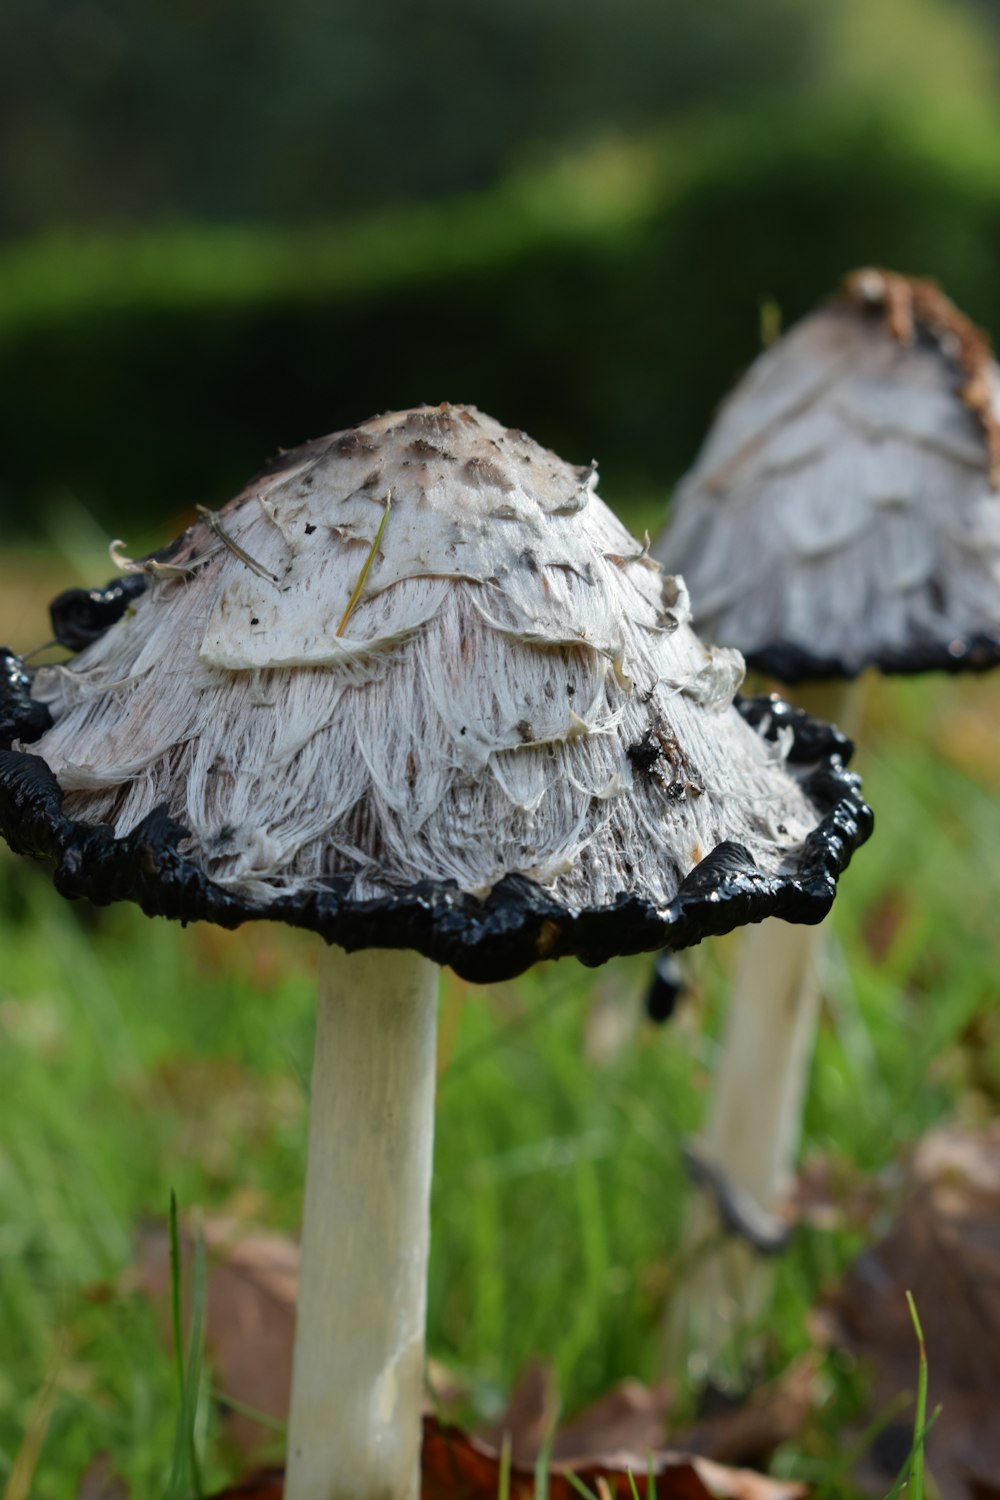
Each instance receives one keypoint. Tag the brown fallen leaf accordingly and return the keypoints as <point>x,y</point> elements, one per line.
<point>831,1193</point>
<point>630,1418</point>
<point>458,1467</point>
<point>249,1317</point>
<point>530,1415</point>
<point>945,1249</point>
<point>100,1482</point>
<point>771,1415</point>
<point>883,921</point>
<point>267,1484</point>
<point>250,1323</point>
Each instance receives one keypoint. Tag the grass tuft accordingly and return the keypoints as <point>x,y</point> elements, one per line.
<point>911,1476</point>
<point>185,1470</point>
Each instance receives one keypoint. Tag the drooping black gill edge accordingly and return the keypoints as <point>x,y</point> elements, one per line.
<point>21,718</point>
<point>80,616</point>
<point>482,940</point>
<point>793,664</point>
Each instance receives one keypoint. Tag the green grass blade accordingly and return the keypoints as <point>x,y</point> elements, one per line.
<point>920,1419</point>
<point>542,1466</point>
<point>196,1355</point>
<point>366,567</point>
<point>503,1488</point>
<point>835,1476</point>
<point>244,1409</point>
<point>175,1294</point>
<point>185,1469</point>
<point>576,1483</point>
<point>21,1479</point>
<point>911,1476</point>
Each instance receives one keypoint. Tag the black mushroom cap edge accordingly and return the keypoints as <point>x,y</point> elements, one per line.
<point>792,664</point>
<point>515,926</point>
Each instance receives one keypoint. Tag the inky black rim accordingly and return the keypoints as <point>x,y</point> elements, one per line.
<point>795,664</point>
<point>495,938</point>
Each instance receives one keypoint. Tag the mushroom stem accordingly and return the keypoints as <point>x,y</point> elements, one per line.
<point>354,1426</point>
<point>748,1149</point>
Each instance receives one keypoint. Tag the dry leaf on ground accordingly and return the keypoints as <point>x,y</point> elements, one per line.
<point>945,1249</point>
<point>100,1482</point>
<point>250,1321</point>
<point>457,1467</point>
<point>832,1194</point>
<point>268,1484</point>
<point>249,1317</point>
<point>630,1418</point>
<point>749,1434</point>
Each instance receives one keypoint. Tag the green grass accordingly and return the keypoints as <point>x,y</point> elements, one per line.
<point>138,1058</point>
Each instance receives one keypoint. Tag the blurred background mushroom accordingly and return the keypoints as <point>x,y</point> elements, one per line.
<point>843,515</point>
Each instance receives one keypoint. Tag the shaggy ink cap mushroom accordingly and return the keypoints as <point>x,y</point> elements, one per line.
<point>844,510</point>
<point>506,745</point>
<point>415,688</point>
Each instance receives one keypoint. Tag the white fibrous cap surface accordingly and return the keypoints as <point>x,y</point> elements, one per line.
<point>844,501</point>
<point>473,715</point>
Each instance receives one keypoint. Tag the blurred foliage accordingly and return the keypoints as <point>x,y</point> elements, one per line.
<point>231,227</point>
<point>604,303</point>
<point>238,109</point>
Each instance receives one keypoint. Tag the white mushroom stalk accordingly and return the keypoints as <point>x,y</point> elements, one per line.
<point>416,673</point>
<point>744,1157</point>
<point>354,1426</point>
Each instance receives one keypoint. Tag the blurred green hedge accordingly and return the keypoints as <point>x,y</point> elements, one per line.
<point>604,305</point>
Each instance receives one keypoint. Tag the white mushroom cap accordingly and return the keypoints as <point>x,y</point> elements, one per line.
<point>844,511</point>
<point>515,692</point>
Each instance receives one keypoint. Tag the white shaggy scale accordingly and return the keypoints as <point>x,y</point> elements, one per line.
<point>472,718</point>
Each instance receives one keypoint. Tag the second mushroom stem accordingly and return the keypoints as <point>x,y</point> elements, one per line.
<point>354,1427</point>
<point>751,1137</point>
<point>748,1146</point>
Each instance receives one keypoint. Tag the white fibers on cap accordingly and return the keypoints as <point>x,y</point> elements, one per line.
<point>511,644</point>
